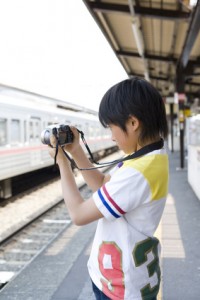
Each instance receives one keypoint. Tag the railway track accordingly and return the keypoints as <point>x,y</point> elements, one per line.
<point>39,217</point>
<point>23,246</point>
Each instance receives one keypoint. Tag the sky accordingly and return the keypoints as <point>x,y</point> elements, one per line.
<point>55,48</point>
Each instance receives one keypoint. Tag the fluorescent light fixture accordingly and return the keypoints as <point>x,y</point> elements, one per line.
<point>146,75</point>
<point>138,38</point>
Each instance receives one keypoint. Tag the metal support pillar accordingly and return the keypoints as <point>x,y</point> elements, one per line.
<point>180,81</point>
<point>182,145</point>
<point>172,125</point>
<point>181,127</point>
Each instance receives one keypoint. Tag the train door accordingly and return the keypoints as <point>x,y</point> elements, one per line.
<point>34,130</point>
<point>35,127</point>
<point>15,132</point>
<point>5,184</point>
<point>10,136</point>
<point>3,132</point>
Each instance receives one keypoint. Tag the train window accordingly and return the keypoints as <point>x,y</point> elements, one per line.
<point>3,131</point>
<point>50,123</point>
<point>37,130</point>
<point>25,132</point>
<point>31,131</point>
<point>43,125</point>
<point>15,131</point>
<point>98,132</point>
<point>91,132</point>
<point>86,130</point>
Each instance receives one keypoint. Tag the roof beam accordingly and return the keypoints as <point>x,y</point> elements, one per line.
<point>151,77</point>
<point>191,36</point>
<point>163,79</point>
<point>192,33</point>
<point>193,83</point>
<point>167,59</point>
<point>147,56</point>
<point>139,10</point>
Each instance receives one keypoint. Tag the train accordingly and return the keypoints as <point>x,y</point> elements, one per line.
<point>23,116</point>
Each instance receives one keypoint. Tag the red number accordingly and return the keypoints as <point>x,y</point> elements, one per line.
<point>113,281</point>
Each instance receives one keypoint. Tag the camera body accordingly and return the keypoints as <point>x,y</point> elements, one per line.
<point>62,132</point>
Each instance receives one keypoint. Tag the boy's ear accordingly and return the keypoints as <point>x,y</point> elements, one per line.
<point>135,123</point>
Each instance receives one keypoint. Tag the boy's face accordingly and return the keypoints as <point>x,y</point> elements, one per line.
<point>126,141</point>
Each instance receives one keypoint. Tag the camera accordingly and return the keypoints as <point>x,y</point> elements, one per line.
<point>62,132</point>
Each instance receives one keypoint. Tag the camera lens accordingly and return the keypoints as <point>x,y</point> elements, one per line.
<point>45,137</point>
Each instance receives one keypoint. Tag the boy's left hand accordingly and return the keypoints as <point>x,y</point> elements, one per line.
<point>52,151</point>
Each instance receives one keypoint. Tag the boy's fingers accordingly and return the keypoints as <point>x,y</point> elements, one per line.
<point>75,131</point>
<point>53,141</point>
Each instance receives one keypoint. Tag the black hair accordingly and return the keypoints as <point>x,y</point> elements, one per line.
<point>136,97</point>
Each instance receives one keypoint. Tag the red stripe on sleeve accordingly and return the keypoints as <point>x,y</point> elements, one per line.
<point>112,201</point>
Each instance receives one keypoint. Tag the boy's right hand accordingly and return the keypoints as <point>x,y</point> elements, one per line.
<point>71,148</point>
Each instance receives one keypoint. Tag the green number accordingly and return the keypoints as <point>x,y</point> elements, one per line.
<point>140,253</point>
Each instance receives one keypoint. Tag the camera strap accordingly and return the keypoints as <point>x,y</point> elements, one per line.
<point>54,131</point>
<point>146,149</point>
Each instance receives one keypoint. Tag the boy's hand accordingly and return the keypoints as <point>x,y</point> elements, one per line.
<point>75,145</point>
<point>69,147</point>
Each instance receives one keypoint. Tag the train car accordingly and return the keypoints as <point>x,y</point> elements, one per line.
<point>23,116</point>
<point>193,147</point>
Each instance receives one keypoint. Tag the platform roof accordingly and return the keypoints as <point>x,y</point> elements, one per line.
<point>155,39</point>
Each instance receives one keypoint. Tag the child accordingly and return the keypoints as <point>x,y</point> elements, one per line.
<point>124,260</point>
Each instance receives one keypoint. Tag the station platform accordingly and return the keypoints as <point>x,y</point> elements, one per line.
<point>60,271</point>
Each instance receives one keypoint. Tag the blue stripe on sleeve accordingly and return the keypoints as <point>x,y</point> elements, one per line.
<point>106,205</point>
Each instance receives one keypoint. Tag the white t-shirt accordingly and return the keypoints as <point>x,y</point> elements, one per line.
<point>124,261</point>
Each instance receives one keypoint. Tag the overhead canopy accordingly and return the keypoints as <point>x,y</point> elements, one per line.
<point>155,39</point>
